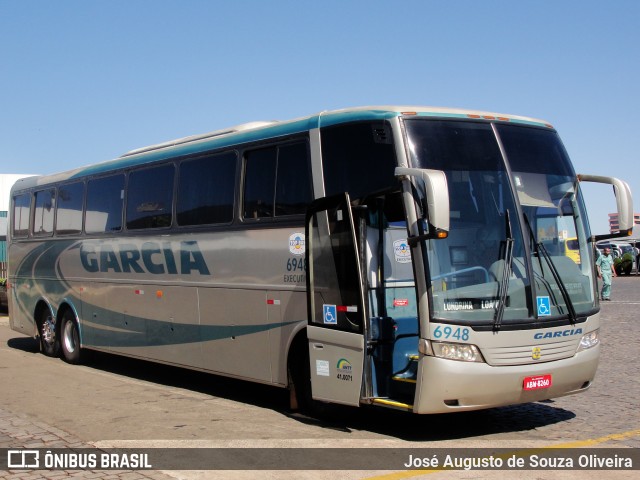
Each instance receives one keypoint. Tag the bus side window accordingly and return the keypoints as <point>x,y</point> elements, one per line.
<point>277,181</point>
<point>44,212</point>
<point>259,183</point>
<point>293,180</point>
<point>206,190</point>
<point>21,211</point>
<point>69,209</point>
<point>150,197</point>
<point>105,198</point>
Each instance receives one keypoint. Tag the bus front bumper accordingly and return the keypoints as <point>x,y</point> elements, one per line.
<point>449,385</point>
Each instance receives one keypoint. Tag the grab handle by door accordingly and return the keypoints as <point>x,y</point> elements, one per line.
<point>318,346</point>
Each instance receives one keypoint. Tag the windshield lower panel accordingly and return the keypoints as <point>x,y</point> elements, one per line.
<point>490,269</point>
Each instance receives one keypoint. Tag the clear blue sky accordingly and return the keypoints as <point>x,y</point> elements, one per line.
<point>85,81</point>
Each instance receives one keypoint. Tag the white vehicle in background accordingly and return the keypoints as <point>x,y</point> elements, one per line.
<point>615,250</point>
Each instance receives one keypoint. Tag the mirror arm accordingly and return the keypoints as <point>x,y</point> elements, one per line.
<point>624,203</point>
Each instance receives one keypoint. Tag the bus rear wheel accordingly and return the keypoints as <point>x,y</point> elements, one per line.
<point>70,339</point>
<point>47,328</point>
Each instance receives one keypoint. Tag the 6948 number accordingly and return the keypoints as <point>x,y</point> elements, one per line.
<point>457,333</point>
<point>294,264</point>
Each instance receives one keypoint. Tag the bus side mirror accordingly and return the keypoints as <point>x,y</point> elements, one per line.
<point>624,203</point>
<point>432,187</point>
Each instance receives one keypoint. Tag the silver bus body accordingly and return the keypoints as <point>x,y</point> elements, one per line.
<point>439,292</point>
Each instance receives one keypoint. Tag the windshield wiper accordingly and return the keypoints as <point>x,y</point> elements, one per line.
<point>541,251</point>
<point>503,286</point>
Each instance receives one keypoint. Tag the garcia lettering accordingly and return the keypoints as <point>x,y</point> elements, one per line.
<point>563,333</point>
<point>156,258</point>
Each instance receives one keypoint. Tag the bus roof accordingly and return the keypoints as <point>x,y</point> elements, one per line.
<point>253,131</point>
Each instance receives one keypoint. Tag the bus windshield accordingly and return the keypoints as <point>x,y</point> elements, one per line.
<point>513,202</point>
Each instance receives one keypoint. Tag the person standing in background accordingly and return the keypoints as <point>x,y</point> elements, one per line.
<point>606,272</point>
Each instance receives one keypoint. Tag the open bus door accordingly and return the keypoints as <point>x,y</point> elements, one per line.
<point>335,302</point>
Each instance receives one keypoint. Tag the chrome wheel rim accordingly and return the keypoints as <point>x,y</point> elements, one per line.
<point>68,337</point>
<point>49,330</point>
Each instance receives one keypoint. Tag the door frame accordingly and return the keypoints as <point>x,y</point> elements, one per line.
<point>337,345</point>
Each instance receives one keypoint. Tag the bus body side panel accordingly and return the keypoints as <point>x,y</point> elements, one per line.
<point>102,321</point>
<point>24,292</point>
<point>246,304</point>
<point>235,336</point>
<point>291,312</point>
<point>225,302</point>
<point>19,297</point>
<point>165,324</point>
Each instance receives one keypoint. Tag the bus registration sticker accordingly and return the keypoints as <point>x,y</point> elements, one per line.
<point>537,383</point>
<point>322,368</point>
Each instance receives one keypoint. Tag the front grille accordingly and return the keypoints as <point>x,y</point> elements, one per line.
<point>523,355</point>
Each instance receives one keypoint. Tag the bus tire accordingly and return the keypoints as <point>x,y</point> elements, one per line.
<point>48,332</point>
<point>301,382</point>
<point>70,339</point>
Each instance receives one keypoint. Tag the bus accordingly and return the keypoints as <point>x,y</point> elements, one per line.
<point>404,257</point>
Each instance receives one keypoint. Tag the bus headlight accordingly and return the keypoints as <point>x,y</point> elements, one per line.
<point>589,340</point>
<point>457,351</point>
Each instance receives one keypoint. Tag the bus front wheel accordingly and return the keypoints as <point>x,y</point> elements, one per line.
<point>70,339</point>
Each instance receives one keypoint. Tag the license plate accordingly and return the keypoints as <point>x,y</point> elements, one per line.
<point>536,383</point>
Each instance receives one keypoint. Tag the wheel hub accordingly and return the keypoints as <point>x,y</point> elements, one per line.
<point>49,330</point>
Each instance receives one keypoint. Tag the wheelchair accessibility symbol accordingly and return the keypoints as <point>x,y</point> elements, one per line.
<point>329,314</point>
<point>544,306</point>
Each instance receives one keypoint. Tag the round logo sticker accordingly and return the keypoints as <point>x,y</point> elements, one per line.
<point>402,251</point>
<point>296,243</point>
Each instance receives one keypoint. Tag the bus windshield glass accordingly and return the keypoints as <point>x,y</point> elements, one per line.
<point>513,205</point>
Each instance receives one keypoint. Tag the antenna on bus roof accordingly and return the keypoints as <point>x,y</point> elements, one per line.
<point>203,136</point>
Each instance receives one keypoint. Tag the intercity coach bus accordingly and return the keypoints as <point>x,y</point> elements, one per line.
<point>407,257</point>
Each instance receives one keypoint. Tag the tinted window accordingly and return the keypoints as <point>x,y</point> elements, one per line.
<point>535,150</point>
<point>150,197</point>
<point>21,209</point>
<point>358,158</point>
<point>260,176</point>
<point>44,212</point>
<point>293,182</point>
<point>206,190</point>
<point>104,204</point>
<point>336,280</point>
<point>466,152</point>
<point>70,202</point>
<point>454,146</point>
<point>277,181</point>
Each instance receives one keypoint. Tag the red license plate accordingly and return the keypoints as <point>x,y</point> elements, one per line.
<point>537,382</point>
